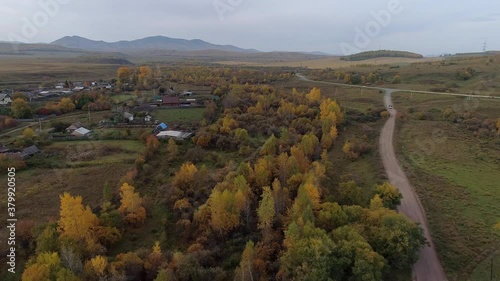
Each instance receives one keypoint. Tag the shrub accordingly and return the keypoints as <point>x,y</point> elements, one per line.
<point>9,161</point>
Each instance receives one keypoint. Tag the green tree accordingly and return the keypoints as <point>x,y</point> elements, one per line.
<point>372,77</point>
<point>331,216</point>
<point>269,147</point>
<point>44,267</point>
<point>245,271</point>
<point>354,257</point>
<point>395,237</point>
<point>390,195</point>
<point>307,254</point>
<point>350,194</point>
<point>309,144</point>
<point>355,79</point>
<point>241,135</point>
<point>47,239</point>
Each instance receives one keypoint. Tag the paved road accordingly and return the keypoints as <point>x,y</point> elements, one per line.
<point>428,267</point>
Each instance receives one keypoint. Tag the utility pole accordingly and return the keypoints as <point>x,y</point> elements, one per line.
<point>484,47</point>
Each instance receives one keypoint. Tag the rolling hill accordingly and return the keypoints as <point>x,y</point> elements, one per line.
<point>381,54</point>
<point>32,49</point>
<point>148,43</point>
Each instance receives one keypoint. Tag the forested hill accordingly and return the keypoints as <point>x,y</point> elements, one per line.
<point>381,54</point>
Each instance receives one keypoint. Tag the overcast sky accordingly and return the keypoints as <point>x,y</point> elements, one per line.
<point>423,26</point>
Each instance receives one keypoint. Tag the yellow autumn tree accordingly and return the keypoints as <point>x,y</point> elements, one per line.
<point>328,138</point>
<point>347,79</point>
<point>314,95</point>
<point>266,210</point>
<point>154,260</point>
<point>173,148</point>
<point>185,177</point>
<point>330,110</point>
<point>225,215</point>
<point>76,221</point>
<point>66,105</point>
<point>131,205</point>
<point>123,75</point>
<point>497,226</point>
<point>228,124</point>
<point>99,265</point>
<point>47,266</point>
<point>263,172</point>
<point>152,144</point>
<point>313,194</point>
<point>333,133</point>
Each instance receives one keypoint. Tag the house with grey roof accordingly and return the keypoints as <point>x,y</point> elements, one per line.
<point>5,99</point>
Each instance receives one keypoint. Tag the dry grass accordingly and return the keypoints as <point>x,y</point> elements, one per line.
<point>332,62</point>
<point>456,176</point>
<point>349,98</point>
<point>23,71</point>
<point>80,168</point>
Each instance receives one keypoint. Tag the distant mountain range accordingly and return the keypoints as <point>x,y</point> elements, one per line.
<point>145,44</point>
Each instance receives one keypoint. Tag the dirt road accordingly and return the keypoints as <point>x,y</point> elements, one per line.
<point>428,267</point>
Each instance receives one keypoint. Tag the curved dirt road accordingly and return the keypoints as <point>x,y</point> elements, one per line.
<point>428,267</point>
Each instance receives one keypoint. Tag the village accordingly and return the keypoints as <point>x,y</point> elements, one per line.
<point>118,114</point>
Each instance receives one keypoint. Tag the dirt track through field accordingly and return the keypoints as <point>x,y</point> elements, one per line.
<point>428,267</point>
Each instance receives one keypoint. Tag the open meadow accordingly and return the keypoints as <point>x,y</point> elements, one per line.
<point>456,174</point>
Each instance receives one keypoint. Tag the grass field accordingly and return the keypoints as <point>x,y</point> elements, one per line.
<point>456,176</point>
<point>178,115</point>
<point>123,97</point>
<point>349,98</point>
